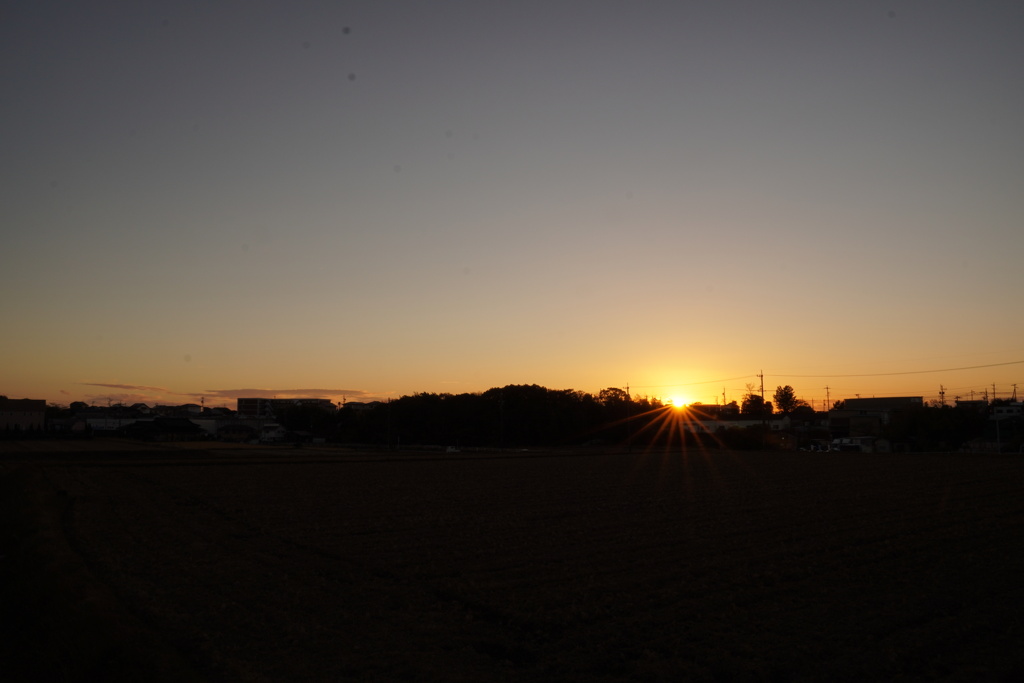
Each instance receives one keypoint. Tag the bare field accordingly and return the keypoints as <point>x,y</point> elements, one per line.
<point>312,564</point>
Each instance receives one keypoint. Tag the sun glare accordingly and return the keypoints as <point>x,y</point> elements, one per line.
<point>677,402</point>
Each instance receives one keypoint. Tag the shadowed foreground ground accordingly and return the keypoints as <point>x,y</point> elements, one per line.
<point>268,565</point>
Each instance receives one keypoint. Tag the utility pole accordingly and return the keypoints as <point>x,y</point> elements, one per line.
<point>828,400</point>
<point>629,417</point>
<point>942,396</point>
<point>1014,397</point>
<point>993,391</point>
<point>764,415</point>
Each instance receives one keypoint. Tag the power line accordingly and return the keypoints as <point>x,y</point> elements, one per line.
<point>912,372</point>
<point>877,374</point>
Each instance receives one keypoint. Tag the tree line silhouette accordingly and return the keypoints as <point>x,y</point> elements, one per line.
<point>513,416</point>
<point>521,416</point>
<point>531,416</point>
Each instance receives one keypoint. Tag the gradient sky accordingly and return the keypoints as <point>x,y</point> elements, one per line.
<point>372,199</point>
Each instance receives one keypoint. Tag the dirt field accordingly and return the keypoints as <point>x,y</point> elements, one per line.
<point>273,564</point>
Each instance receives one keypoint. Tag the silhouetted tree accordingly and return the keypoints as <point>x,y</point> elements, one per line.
<point>786,400</point>
<point>612,396</point>
<point>755,406</point>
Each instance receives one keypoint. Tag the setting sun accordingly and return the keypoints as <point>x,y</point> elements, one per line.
<point>677,401</point>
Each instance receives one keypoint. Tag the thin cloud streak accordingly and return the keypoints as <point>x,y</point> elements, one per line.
<point>128,394</point>
<point>284,393</point>
<point>139,393</point>
<point>132,387</point>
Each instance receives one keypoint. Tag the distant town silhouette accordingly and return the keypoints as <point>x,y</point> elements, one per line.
<point>533,416</point>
